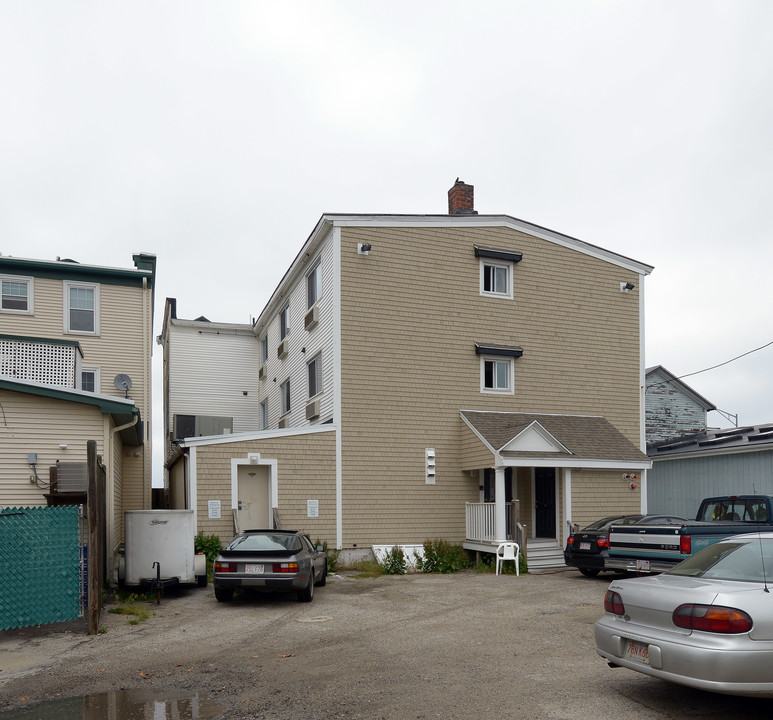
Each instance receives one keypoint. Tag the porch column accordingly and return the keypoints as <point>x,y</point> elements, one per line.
<point>567,505</point>
<point>500,507</point>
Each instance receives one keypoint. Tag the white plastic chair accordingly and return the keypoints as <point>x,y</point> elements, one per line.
<point>509,551</point>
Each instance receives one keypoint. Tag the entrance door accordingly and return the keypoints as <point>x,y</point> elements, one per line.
<point>254,507</point>
<point>545,502</point>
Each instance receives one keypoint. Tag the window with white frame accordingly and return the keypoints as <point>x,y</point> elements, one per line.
<point>496,278</point>
<point>90,379</point>
<point>284,322</point>
<point>284,397</point>
<point>314,367</point>
<point>496,374</point>
<point>314,284</point>
<point>264,414</point>
<point>263,349</point>
<point>81,307</point>
<point>16,294</point>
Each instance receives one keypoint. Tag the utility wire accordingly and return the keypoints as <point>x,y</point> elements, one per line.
<point>713,367</point>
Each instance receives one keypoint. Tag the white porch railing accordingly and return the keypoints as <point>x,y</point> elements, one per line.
<point>480,521</point>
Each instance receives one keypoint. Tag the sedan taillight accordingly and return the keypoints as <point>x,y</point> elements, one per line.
<point>712,618</point>
<point>570,540</point>
<point>603,541</point>
<point>613,603</point>
<point>224,567</point>
<point>291,567</point>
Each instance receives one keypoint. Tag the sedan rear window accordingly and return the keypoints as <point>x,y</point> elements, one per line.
<point>739,560</point>
<point>265,542</point>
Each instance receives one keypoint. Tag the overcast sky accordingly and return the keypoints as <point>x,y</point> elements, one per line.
<point>215,134</point>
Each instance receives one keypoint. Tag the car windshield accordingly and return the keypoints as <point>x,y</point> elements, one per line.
<point>731,560</point>
<point>264,542</point>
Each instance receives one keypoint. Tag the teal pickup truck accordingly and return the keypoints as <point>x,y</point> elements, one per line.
<point>656,548</point>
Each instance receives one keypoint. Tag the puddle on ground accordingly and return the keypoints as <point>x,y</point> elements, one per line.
<point>121,705</point>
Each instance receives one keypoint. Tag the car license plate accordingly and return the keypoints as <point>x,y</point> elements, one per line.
<point>643,565</point>
<point>637,651</point>
<point>584,546</point>
<point>253,569</point>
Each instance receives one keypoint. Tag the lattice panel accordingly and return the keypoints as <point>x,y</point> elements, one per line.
<point>40,566</point>
<point>39,362</point>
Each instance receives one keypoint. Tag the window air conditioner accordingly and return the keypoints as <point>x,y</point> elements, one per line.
<point>311,318</point>
<point>312,410</point>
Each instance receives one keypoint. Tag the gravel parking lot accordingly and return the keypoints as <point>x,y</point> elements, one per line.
<point>467,645</point>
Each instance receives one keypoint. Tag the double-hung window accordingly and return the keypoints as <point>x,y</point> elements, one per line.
<point>263,349</point>
<point>81,308</point>
<point>284,322</point>
<point>284,397</point>
<point>264,414</point>
<point>16,294</point>
<point>314,284</point>
<point>314,367</point>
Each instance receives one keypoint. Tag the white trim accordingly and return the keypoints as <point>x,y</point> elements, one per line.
<point>254,435</point>
<point>510,390</point>
<point>192,489</point>
<point>571,463</point>
<point>536,427</point>
<point>30,281</point>
<point>253,458</point>
<point>566,476</point>
<point>500,264</point>
<point>642,372</point>
<point>337,385</point>
<point>66,286</point>
<point>97,378</point>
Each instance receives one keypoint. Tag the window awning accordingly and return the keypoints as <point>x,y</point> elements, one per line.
<point>498,254</point>
<point>484,348</point>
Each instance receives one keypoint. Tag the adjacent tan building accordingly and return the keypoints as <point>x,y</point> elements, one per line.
<point>75,349</point>
<point>417,373</point>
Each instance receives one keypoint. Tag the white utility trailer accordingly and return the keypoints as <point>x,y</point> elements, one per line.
<point>159,549</point>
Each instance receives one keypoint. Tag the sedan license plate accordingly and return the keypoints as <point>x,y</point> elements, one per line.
<point>584,546</point>
<point>643,565</point>
<point>637,651</point>
<point>253,569</point>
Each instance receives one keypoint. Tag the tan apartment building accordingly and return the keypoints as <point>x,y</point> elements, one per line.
<point>75,357</point>
<point>418,373</point>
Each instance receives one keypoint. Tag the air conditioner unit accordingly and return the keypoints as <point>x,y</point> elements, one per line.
<point>281,350</point>
<point>283,423</point>
<point>262,372</point>
<point>311,318</point>
<point>72,477</point>
<point>312,410</point>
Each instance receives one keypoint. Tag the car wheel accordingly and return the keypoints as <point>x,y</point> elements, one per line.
<point>323,579</point>
<point>201,581</point>
<point>307,594</point>
<point>589,572</point>
<point>224,594</point>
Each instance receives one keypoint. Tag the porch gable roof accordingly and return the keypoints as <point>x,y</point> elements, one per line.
<point>586,439</point>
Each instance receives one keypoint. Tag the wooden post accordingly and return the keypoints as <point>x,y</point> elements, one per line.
<point>93,580</point>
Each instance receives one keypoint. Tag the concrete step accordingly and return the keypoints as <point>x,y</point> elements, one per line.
<point>544,555</point>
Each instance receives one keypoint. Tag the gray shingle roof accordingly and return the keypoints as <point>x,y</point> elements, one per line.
<point>584,436</point>
<point>753,437</point>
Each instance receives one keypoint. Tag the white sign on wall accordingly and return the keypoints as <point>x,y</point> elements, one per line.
<point>312,508</point>
<point>213,509</point>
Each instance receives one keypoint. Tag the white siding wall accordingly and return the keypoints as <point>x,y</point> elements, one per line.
<point>210,369</point>
<point>670,412</point>
<point>302,346</point>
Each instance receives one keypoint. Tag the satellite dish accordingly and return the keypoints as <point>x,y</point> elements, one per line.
<point>123,382</point>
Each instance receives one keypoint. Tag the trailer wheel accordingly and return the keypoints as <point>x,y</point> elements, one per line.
<point>224,594</point>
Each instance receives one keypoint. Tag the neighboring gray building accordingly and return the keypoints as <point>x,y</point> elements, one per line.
<point>733,461</point>
<point>672,408</point>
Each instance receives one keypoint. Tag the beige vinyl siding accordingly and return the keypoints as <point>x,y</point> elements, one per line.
<point>597,493</point>
<point>117,508</point>
<point>123,344</point>
<point>40,425</point>
<point>306,471</point>
<point>302,346</point>
<point>411,313</point>
<point>473,454</point>
<point>210,369</point>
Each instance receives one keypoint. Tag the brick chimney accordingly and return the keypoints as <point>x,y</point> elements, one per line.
<point>461,199</point>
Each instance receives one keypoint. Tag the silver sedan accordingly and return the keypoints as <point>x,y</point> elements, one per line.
<point>707,623</point>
